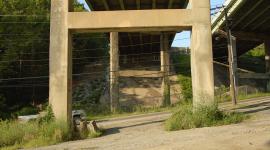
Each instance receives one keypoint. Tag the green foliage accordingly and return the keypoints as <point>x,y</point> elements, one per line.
<point>49,116</point>
<point>257,52</point>
<point>186,87</point>
<point>222,94</point>
<point>96,134</point>
<point>28,110</point>
<point>253,60</point>
<point>32,134</point>
<point>184,78</point>
<point>89,92</point>
<point>186,117</point>
<point>25,36</point>
<point>42,132</point>
<point>242,96</point>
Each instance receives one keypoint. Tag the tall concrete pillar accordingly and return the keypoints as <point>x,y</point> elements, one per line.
<point>267,62</point>
<point>201,54</point>
<point>114,71</point>
<point>60,90</point>
<point>165,69</point>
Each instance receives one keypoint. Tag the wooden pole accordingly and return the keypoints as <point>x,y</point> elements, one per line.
<point>234,67</point>
<point>114,71</point>
<point>231,60</point>
<point>165,69</point>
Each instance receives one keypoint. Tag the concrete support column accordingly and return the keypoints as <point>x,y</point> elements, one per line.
<point>201,54</point>
<point>60,90</point>
<point>114,71</point>
<point>165,69</point>
<point>267,62</point>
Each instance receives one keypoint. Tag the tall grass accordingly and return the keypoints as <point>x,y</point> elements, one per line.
<point>32,134</point>
<point>186,117</point>
<point>41,132</point>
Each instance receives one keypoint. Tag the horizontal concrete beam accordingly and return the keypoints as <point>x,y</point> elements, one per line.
<point>140,73</point>
<point>131,21</point>
<point>254,76</point>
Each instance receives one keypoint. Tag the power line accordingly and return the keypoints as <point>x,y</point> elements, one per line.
<point>80,50</point>
<point>30,15</point>
<point>79,74</point>
<point>15,22</point>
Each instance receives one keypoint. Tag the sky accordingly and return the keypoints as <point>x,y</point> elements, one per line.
<point>181,39</point>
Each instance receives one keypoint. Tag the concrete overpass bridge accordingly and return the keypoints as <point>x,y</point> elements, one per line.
<point>250,25</point>
<point>138,42</point>
<point>140,22</point>
<point>137,23</point>
<point>248,21</point>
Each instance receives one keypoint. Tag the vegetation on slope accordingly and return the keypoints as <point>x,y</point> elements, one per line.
<point>253,60</point>
<point>182,68</point>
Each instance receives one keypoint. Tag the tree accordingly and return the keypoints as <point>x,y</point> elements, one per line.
<point>24,50</point>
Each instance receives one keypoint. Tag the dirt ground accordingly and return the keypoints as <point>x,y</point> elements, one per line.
<point>147,133</point>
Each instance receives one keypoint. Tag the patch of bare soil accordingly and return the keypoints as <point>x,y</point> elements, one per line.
<point>143,87</point>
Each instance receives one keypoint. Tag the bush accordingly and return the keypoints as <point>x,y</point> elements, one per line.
<point>49,116</point>
<point>184,78</point>
<point>204,116</point>
<point>186,87</point>
<point>28,110</point>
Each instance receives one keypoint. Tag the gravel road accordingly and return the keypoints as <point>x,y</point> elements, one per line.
<point>147,133</point>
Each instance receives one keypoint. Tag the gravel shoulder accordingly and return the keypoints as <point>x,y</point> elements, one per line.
<point>146,132</point>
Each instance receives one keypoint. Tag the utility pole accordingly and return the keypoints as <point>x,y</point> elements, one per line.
<point>231,59</point>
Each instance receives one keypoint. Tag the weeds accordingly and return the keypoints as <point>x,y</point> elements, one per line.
<point>186,117</point>
<point>41,132</point>
<point>32,134</point>
<point>95,134</point>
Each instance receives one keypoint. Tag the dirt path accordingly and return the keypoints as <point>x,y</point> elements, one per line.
<point>147,133</point>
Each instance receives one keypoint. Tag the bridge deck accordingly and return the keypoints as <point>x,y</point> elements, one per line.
<point>250,25</point>
<point>142,42</point>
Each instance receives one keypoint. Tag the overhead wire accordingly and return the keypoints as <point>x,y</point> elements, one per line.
<point>39,77</point>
